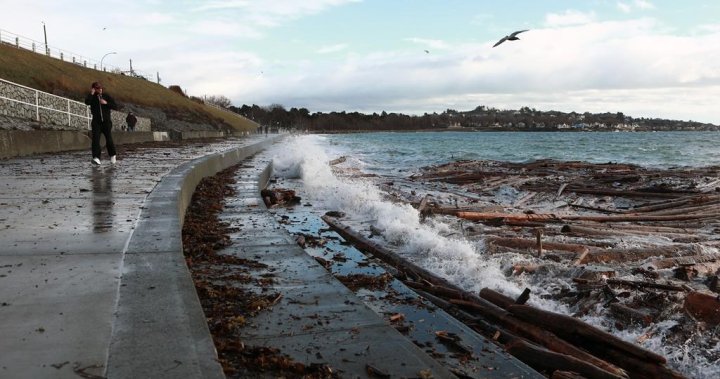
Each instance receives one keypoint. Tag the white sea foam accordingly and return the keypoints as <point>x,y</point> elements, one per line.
<point>453,258</point>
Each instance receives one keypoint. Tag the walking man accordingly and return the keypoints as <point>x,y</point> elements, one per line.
<point>131,121</point>
<point>100,105</point>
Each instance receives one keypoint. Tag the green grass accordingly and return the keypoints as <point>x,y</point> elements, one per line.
<point>73,81</point>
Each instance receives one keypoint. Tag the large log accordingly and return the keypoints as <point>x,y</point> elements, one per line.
<point>637,254</point>
<point>545,360</point>
<point>487,216</point>
<point>558,374</point>
<point>600,192</point>
<point>572,328</point>
<point>534,333</point>
<point>496,298</point>
<point>585,231</point>
<point>703,307</point>
<point>695,200</point>
<point>691,260</point>
<point>641,369</point>
<point>641,284</point>
<point>630,314</point>
<point>545,217</point>
<point>695,209</point>
<point>525,243</point>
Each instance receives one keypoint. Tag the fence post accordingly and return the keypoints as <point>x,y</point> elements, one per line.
<point>33,47</point>
<point>17,42</point>
<point>61,56</point>
<point>37,105</point>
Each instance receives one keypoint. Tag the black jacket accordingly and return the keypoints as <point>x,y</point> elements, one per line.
<point>99,111</point>
<point>131,120</point>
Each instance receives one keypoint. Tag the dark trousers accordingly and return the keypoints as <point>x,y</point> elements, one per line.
<point>103,128</point>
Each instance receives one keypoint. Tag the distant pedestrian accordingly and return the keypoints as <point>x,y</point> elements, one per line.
<point>131,121</point>
<point>100,105</point>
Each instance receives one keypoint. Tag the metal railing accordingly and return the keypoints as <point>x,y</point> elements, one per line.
<point>37,107</point>
<point>20,42</point>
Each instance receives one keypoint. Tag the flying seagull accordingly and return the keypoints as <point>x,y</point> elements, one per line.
<point>511,37</point>
<point>427,51</point>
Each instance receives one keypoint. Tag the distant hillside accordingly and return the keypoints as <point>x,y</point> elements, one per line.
<point>481,118</point>
<point>169,110</point>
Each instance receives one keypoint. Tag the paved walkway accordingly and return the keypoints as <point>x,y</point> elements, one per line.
<point>75,241</point>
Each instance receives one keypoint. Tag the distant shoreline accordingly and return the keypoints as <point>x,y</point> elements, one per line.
<point>512,130</point>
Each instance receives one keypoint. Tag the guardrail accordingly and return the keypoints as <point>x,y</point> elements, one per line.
<point>26,102</point>
<point>21,42</point>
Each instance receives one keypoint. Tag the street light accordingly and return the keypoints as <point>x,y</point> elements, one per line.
<point>45,34</point>
<point>103,58</point>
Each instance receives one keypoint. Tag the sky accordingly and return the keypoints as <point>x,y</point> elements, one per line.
<point>645,58</point>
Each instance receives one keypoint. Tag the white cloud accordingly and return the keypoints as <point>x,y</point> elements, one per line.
<point>268,13</point>
<point>431,43</point>
<point>643,4</point>
<point>569,17</point>
<point>627,7</point>
<point>332,48</point>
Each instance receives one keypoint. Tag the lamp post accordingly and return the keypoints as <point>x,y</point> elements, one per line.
<point>45,34</point>
<point>103,58</point>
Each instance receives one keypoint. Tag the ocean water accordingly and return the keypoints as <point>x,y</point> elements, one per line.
<point>389,153</point>
<point>436,245</point>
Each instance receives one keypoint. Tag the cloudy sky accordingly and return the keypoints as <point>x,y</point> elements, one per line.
<point>646,58</point>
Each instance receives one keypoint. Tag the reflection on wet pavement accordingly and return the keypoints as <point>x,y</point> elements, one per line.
<point>102,198</point>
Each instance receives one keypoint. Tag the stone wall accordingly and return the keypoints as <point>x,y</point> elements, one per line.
<point>20,102</point>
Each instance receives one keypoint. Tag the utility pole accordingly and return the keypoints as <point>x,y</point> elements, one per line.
<point>45,34</point>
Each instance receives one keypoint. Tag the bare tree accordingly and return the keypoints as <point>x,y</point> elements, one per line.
<point>219,100</point>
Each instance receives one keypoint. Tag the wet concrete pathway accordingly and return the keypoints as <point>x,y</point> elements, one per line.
<point>67,229</point>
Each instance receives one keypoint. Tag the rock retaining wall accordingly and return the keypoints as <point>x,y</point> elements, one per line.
<point>26,103</point>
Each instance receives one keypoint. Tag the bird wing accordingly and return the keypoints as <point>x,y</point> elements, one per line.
<point>501,41</point>
<point>518,32</point>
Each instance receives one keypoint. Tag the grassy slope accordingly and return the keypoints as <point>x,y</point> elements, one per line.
<point>71,80</point>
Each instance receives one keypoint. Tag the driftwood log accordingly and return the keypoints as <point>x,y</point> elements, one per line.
<point>545,360</point>
<point>574,329</point>
<point>703,307</point>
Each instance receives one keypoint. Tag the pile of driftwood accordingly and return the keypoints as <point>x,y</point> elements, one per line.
<point>641,242</point>
<point>558,345</point>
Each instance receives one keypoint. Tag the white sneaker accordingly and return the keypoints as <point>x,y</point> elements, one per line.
<point>112,159</point>
<point>96,161</point>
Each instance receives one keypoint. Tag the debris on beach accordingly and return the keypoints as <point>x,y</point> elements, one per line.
<point>279,197</point>
<point>638,247</point>
<point>219,280</point>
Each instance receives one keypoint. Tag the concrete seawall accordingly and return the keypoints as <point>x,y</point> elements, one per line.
<point>152,329</point>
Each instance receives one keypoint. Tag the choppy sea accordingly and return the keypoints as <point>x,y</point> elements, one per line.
<point>434,244</point>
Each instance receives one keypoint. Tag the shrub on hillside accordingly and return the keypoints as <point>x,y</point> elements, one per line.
<point>178,90</point>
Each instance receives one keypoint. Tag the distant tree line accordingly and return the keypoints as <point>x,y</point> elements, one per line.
<point>480,118</point>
